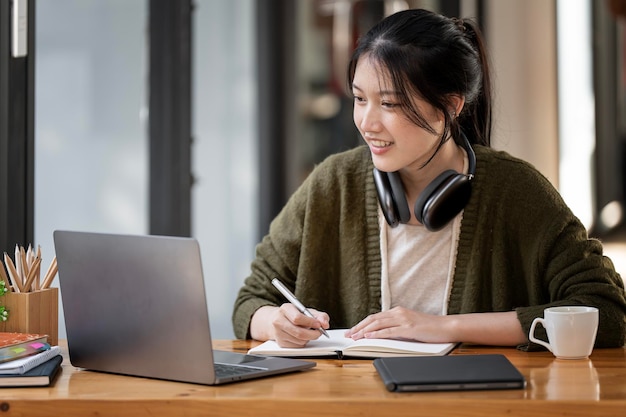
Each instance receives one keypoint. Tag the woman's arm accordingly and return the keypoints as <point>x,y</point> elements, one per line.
<point>501,329</point>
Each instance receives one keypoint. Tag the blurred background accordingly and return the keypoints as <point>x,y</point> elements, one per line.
<point>199,118</point>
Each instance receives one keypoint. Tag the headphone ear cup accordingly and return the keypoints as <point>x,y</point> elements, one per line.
<point>399,198</point>
<point>443,199</point>
<point>425,196</point>
<point>385,197</point>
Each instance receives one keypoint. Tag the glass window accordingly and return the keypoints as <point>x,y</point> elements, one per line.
<point>91,166</point>
<point>224,152</point>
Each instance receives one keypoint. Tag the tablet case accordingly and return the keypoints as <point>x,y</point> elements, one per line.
<point>449,373</point>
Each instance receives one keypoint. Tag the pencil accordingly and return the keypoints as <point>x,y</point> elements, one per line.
<point>17,285</point>
<point>38,277</point>
<point>52,271</point>
<point>4,277</point>
<point>31,275</point>
<point>17,264</point>
<point>30,256</point>
<point>24,262</point>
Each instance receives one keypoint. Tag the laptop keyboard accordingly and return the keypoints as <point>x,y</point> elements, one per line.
<point>224,370</point>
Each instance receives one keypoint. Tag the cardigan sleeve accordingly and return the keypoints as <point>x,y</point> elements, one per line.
<point>577,273</point>
<point>276,256</point>
<point>565,266</point>
<point>521,248</point>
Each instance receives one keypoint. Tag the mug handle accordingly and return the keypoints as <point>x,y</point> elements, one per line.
<point>531,334</point>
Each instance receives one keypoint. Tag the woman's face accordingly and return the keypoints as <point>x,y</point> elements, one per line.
<point>394,141</point>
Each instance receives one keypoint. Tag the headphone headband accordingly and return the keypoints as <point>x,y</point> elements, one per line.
<point>471,156</point>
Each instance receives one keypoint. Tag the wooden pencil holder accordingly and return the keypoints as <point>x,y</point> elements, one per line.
<point>32,312</point>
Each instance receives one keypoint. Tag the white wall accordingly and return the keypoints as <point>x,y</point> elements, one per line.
<point>522,41</point>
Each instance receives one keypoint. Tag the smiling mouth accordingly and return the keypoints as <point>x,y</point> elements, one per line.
<point>380,143</point>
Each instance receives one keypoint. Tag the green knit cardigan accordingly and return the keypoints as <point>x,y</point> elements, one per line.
<point>520,248</point>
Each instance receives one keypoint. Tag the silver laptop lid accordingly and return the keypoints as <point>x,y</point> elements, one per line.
<point>135,305</point>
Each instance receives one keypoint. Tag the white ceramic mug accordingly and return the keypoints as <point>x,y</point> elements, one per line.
<point>571,331</point>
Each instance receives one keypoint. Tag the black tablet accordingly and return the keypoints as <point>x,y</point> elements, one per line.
<point>449,373</point>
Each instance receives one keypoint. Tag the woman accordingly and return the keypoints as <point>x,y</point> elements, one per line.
<point>443,241</point>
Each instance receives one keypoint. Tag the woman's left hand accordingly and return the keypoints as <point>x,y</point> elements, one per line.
<point>496,328</point>
<point>401,323</point>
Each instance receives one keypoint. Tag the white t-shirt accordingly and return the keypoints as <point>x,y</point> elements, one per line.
<point>418,265</point>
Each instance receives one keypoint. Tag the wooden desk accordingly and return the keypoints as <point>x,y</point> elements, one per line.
<point>335,388</point>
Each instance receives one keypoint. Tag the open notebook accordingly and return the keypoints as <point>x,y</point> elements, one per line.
<point>338,345</point>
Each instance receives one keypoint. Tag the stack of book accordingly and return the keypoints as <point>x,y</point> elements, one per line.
<point>27,360</point>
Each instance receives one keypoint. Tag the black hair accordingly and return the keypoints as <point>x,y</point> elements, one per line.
<point>434,57</point>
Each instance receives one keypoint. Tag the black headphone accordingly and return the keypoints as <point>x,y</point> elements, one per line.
<point>440,201</point>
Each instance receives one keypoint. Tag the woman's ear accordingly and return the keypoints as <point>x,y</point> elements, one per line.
<point>456,105</point>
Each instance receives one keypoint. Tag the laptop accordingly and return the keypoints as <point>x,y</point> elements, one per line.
<point>135,305</point>
<point>449,373</point>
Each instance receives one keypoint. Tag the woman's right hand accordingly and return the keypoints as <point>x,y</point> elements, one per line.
<point>286,325</point>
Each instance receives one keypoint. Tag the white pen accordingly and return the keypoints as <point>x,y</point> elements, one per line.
<point>293,300</point>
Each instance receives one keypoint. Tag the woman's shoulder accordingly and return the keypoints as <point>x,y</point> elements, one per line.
<point>502,175</point>
<point>501,165</point>
<point>495,156</point>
